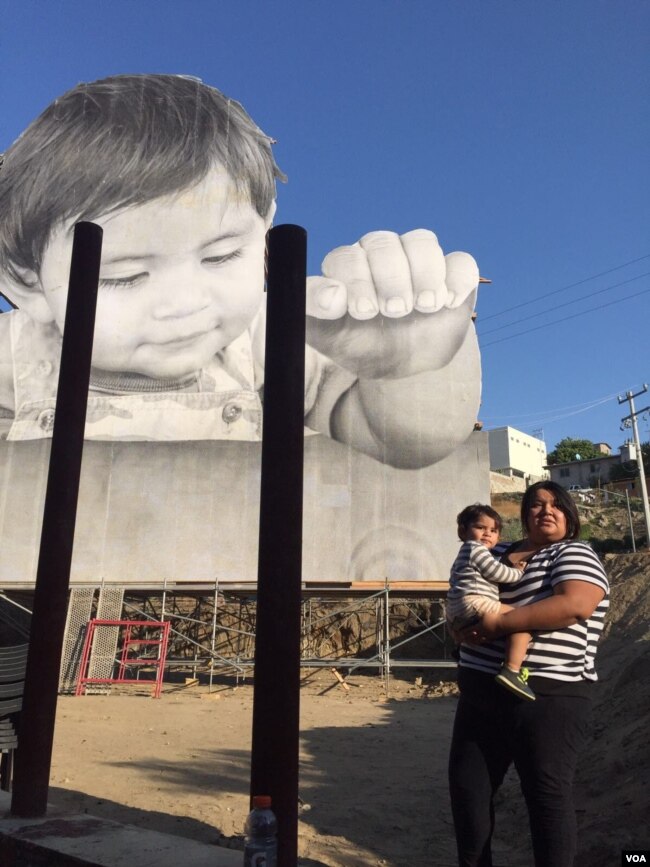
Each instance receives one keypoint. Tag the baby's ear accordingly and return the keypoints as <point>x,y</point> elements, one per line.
<point>27,294</point>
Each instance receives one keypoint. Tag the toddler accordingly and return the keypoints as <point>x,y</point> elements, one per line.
<point>183,184</point>
<point>474,591</point>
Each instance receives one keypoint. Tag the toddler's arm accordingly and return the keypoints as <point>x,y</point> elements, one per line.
<point>395,312</point>
<point>491,569</point>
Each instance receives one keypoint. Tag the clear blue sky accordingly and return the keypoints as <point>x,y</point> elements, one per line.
<point>516,130</point>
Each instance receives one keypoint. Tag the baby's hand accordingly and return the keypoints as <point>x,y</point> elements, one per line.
<point>391,306</point>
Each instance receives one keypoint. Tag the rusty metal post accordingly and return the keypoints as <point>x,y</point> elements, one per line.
<point>276,697</point>
<point>34,753</point>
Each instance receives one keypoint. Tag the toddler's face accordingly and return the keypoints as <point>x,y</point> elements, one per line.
<point>181,277</point>
<point>483,530</point>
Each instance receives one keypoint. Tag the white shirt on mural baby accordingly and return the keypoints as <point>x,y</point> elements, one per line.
<point>223,400</point>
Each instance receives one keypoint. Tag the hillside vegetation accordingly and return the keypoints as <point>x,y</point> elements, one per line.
<point>605,525</point>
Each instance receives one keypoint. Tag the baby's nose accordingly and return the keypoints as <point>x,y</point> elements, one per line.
<point>182,298</point>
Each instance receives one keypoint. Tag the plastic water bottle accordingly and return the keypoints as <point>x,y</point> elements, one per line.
<point>261,842</point>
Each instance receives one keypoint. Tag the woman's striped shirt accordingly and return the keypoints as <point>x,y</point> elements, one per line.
<point>564,654</point>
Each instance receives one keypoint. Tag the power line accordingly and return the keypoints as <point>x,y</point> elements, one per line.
<point>566,318</point>
<point>541,420</point>
<point>566,303</point>
<point>574,409</point>
<point>553,419</point>
<point>565,288</point>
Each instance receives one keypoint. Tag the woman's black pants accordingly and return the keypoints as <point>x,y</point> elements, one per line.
<point>494,729</point>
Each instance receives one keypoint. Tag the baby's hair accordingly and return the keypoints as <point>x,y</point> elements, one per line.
<point>119,142</point>
<point>473,513</point>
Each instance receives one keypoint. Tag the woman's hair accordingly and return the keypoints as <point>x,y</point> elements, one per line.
<point>563,500</point>
<point>119,142</point>
<point>473,513</point>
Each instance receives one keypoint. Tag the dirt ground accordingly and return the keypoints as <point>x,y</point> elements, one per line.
<point>372,765</point>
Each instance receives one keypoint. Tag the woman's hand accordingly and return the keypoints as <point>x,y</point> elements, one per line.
<point>488,628</point>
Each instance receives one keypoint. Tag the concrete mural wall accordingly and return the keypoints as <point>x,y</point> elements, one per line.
<point>171,463</point>
<point>188,513</point>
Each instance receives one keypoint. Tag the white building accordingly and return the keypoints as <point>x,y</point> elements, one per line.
<point>515,453</point>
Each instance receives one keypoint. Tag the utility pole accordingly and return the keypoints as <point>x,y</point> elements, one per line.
<point>630,420</point>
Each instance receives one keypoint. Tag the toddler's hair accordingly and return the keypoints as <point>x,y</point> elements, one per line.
<point>118,142</point>
<point>473,513</point>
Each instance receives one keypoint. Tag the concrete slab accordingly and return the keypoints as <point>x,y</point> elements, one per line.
<point>63,840</point>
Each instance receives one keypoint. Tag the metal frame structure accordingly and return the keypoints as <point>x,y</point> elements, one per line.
<point>150,652</point>
<point>212,627</point>
<point>229,641</point>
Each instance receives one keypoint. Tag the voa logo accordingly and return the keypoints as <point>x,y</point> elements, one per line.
<point>635,859</point>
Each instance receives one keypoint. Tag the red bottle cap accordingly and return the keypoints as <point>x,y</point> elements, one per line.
<point>262,802</point>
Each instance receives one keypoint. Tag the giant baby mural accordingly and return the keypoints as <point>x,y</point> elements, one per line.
<point>183,183</point>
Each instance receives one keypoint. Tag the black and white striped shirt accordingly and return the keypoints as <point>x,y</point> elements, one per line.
<point>564,654</point>
<point>476,571</point>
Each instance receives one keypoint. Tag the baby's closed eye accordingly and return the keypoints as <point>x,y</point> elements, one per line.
<point>123,282</point>
<point>220,260</point>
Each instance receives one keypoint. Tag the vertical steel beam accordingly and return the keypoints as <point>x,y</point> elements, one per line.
<point>276,696</point>
<point>34,753</point>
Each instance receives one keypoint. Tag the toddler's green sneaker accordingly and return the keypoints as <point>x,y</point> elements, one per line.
<point>515,682</point>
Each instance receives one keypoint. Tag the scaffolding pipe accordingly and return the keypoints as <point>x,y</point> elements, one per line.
<point>213,637</point>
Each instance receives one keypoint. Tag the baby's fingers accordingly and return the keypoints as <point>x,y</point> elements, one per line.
<point>326,298</point>
<point>462,277</point>
<point>390,272</point>
<point>349,267</point>
<point>427,265</point>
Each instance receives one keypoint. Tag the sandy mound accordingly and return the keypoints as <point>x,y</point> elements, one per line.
<point>614,798</point>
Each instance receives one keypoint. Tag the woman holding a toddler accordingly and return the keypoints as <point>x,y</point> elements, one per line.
<point>561,599</point>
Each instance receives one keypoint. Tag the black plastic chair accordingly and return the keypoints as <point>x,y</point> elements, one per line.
<point>13,661</point>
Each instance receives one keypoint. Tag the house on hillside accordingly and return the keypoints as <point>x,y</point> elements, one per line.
<point>592,472</point>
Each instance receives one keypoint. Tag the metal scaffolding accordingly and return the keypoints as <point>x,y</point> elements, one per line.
<point>212,627</point>
<point>347,627</point>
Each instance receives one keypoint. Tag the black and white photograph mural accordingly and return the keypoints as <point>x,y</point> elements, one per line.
<point>183,183</point>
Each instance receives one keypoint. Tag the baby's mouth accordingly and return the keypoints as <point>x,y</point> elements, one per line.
<point>187,340</point>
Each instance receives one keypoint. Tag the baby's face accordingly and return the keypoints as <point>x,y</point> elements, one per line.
<point>181,277</point>
<point>483,530</point>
